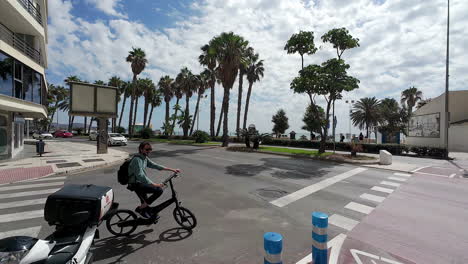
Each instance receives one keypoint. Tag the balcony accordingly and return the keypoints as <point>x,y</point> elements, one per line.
<point>10,38</point>
<point>33,10</point>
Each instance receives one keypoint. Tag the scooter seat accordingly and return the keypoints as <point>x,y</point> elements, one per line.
<point>63,238</point>
<point>62,254</point>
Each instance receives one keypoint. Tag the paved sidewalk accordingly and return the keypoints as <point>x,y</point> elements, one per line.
<point>60,157</point>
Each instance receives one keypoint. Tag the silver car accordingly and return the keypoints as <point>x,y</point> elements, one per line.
<point>116,139</point>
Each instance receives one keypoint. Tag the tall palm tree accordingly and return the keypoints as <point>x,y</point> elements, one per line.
<point>188,84</point>
<point>126,91</point>
<point>154,102</point>
<point>138,91</point>
<point>138,61</point>
<point>118,83</point>
<point>254,73</point>
<point>229,49</point>
<point>411,96</point>
<point>178,93</point>
<point>148,88</point>
<point>248,55</point>
<point>365,113</point>
<point>208,59</point>
<point>202,85</point>
<point>165,85</point>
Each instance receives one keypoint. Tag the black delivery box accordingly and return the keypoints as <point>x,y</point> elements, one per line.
<point>73,198</point>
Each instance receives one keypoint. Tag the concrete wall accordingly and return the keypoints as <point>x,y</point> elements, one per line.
<point>458,140</point>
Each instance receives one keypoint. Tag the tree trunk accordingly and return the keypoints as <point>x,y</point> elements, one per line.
<point>195,114</point>
<point>212,109</point>
<point>220,118</point>
<point>130,115</point>
<point>323,140</point>
<point>135,114</point>
<point>175,118</point>
<point>167,117</point>
<point>69,123</point>
<point>225,121</point>
<point>90,123</point>
<point>145,112</point>
<point>121,111</point>
<point>239,104</point>
<point>85,123</point>
<point>51,120</point>
<point>150,116</point>
<point>185,126</point>
<point>302,59</point>
<point>246,111</point>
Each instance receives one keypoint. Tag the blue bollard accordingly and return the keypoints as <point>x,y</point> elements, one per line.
<point>273,244</point>
<point>319,238</point>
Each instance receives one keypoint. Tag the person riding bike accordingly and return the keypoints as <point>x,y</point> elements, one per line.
<point>140,183</point>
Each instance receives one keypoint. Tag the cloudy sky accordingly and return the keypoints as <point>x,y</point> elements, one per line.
<point>402,44</point>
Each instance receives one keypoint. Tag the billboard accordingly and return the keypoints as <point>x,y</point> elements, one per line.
<point>93,100</point>
<point>424,126</point>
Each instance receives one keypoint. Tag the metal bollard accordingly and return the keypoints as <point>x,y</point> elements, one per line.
<point>40,147</point>
<point>319,238</point>
<point>273,244</point>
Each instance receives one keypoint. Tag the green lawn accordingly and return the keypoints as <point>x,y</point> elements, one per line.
<point>296,151</point>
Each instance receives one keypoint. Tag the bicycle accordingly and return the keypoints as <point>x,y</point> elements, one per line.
<point>120,219</point>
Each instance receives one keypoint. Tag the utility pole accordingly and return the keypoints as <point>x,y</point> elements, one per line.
<point>447,113</point>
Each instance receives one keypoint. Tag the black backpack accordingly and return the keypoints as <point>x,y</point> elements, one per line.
<point>122,174</point>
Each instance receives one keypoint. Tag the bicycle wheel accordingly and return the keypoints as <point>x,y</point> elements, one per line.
<point>184,217</point>
<point>122,223</point>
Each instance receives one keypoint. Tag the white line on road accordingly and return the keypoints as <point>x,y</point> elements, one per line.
<point>285,200</point>
<point>382,189</point>
<point>359,207</point>
<point>418,169</point>
<point>30,231</point>
<point>342,221</point>
<point>335,245</point>
<point>452,175</point>
<point>21,216</point>
<point>29,186</point>
<point>22,203</point>
<point>20,194</point>
<point>433,174</point>
<point>397,179</point>
<point>371,197</point>
<point>402,174</point>
<point>48,179</point>
<point>394,184</point>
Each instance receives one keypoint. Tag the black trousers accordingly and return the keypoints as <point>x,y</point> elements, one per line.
<point>143,189</point>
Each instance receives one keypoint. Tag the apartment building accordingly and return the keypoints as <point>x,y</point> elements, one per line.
<point>23,60</point>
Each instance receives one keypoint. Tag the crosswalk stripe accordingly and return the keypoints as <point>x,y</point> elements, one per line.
<point>359,207</point>
<point>48,179</point>
<point>22,203</point>
<point>342,221</point>
<point>31,193</point>
<point>402,174</point>
<point>382,189</point>
<point>21,216</point>
<point>371,197</point>
<point>29,186</point>
<point>397,179</point>
<point>394,184</point>
<point>30,231</point>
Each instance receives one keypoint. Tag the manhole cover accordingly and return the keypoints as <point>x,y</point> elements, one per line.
<point>271,193</point>
<point>69,164</point>
<point>92,160</point>
<point>56,161</point>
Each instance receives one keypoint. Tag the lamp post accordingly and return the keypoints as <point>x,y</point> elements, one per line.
<point>447,114</point>
<point>350,102</point>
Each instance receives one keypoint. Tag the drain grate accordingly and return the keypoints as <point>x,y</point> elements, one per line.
<point>92,160</point>
<point>69,164</point>
<point>271,192</point>
<point>56,161</point>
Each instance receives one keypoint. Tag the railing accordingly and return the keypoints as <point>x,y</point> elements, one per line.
<point>9,37</point>
<point>29,6</point>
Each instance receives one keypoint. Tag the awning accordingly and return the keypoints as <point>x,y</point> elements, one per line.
<point>27,109</point>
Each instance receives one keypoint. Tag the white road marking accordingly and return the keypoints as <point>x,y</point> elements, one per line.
<point>342,221</point>
<point>335,245</point>
<point>30,231</point>
<point>382,189</point>
<point>397,179</point>
<point>29,186</point>
<point>359,207</point>
<point>452,175</point>
<point>20,194</point>
<point>402,174</point>
<point>358,260</point>
<point>433,174</point>
<point>371,197</point>
<point>394,184</point>
<point>21,216</point>
<point>418,169</point>
<point>22,203</point>
<point>48,179</point>
<point>285,200</point>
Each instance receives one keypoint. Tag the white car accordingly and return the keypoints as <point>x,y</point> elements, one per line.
<point>116,139</point>
<point>93,136</point>
<point>42,135</point>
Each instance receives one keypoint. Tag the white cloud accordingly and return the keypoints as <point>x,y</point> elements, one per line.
<point>108,7</point>
<point>402,44</point>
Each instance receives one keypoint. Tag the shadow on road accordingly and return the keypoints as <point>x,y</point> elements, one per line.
<point>121,247</point>
<point>178,152</point>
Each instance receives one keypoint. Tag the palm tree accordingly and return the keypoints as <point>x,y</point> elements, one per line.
<point>125,90</point>
<point>154,102</point>
<point>178,94</point>
<point>165,85</point>
<point>365,113</point>
<point>248,55</point>
<point>137,58</point>
<point>74,78</point>
<point>208,59</point>
<point>138,91</point>
<point>229,49</point>
<point>59,94</point>
<point>148,88</point>
<point>254,73</point>
<point>188,84</point>
<point>118,83</point>
<point>411,96</point>
<point>203,84</point>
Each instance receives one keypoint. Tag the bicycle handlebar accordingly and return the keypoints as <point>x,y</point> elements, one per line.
<point>174,175</point>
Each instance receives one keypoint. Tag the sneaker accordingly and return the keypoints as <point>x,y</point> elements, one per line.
<point>144,213</point>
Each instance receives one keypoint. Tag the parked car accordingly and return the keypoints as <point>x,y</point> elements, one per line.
<point>63,134</point>
<point>42,135</point>
<point>116,139</point>
<point>93,136</point>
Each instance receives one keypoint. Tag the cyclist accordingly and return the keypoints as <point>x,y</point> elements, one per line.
<point>140,183</point>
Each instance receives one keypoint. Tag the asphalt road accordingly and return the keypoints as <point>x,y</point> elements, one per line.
<point>236,197</point>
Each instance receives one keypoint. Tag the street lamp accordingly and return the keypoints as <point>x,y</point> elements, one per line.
<point>350,102</point>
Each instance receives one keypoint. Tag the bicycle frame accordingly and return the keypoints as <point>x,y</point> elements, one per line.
<point>158,208</point>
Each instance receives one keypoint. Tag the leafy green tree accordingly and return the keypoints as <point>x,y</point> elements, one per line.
<point>314,118</point>
<point>393,118</point>
<point>99,82</point>
<point>165,85</point>
<point>138,61</point>
<point>365,113</point>
<point>411,96</point>
<point>208,59</point>
<point>341,40</point>
<point>254,73</point>
<point>302,43</point>
<point>280,121</point>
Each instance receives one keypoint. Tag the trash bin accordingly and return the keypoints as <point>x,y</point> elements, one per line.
<point>40,147</point>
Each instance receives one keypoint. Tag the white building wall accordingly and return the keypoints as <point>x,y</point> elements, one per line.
<point>458,138</point>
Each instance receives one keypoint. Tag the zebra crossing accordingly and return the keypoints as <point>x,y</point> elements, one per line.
<point>22,205</point>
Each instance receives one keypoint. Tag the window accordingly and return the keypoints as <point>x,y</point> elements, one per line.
<point>6,75</point>
<point>18,89</point>
<point>3,135</point>
<point>37,90</point>
<point>18,80</point>
<point>27,84</point>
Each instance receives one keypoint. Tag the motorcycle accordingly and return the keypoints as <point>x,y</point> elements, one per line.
<point>76,211</point>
